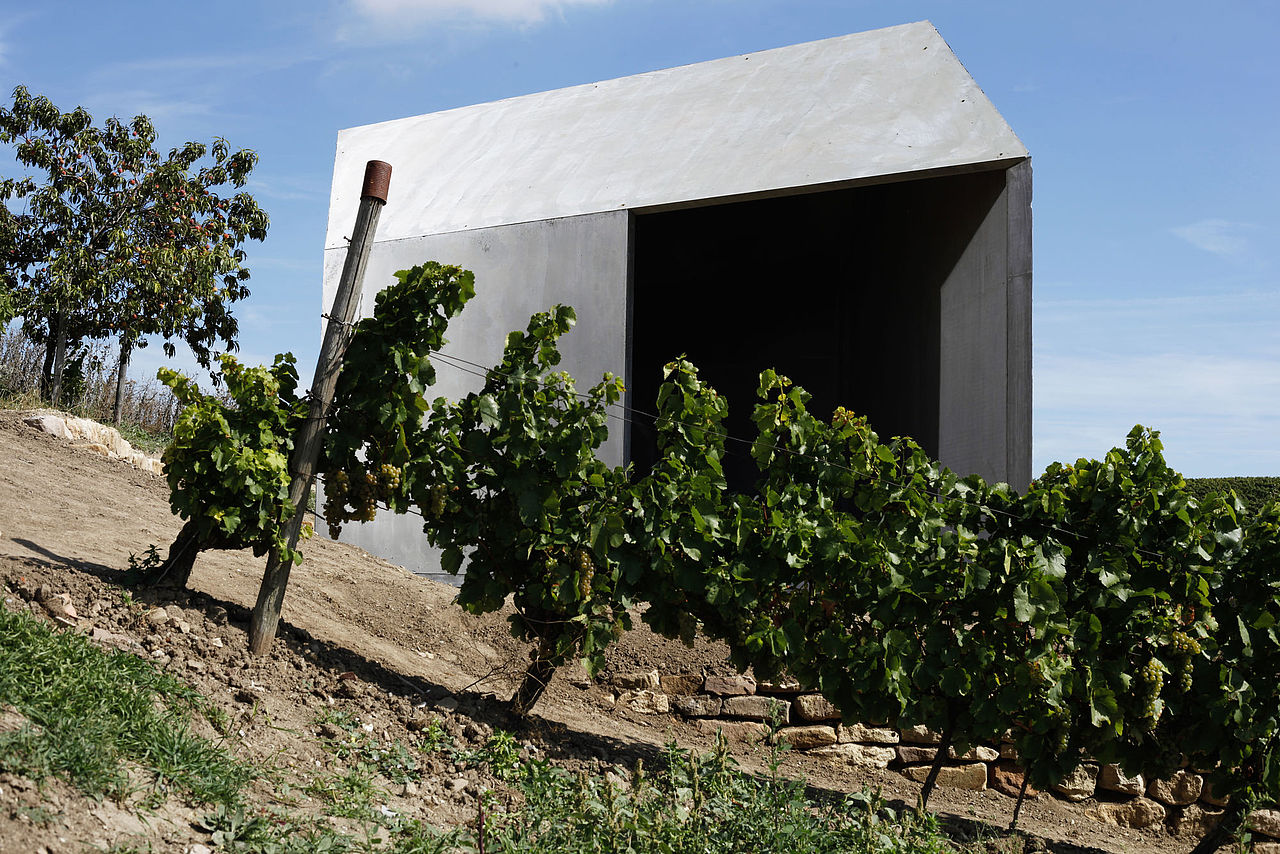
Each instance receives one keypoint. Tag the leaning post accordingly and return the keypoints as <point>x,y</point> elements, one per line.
<point>306,449</point>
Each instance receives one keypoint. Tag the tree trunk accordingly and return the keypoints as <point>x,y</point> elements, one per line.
<point>46,367</point>
<point>1017,808</point>
<point>126,347</point>
<point>536,679</point>
<point>939,758</point>
<point>176,569</point>
<point>59,359</point>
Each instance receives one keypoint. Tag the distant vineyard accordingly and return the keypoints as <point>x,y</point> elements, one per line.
<point>1253,491</point>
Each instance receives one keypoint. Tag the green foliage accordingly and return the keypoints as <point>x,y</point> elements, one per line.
<point>228,464</point>
<point>511,475</point>
<point>92,714</point>
<point>1141,559</point>
<point>380,398</point>
<point>1254,492</point>
<point>117,238</point>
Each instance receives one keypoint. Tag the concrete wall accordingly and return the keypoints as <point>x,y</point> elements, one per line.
<point>520,269</point>
<point>984,421</point>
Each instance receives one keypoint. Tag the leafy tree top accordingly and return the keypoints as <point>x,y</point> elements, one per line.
<point>123,240</point>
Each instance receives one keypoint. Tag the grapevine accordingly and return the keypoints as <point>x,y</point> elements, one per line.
<point>860,566</point>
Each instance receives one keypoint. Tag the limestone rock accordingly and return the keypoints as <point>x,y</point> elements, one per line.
<point>1137,813</point>
<point>972,777</point>
<point>1113,779</point>
<point>1207,795</point>
<point>920,735</point>
<point>729,686</point>
<point>646,702</point>
<point>864,755</point>
<point>757,708</point>
<point>781,685</point>
<point>681,683</point>
<point>1080,784</point>
<point>1006,778</point>
<point>1196,821</point>
<point>697,706</point>
<point>157,617</point>
<point>911,754</point>
<point>1266,822</point>
<point>1179,790</point>
<point>87,430</point>
<point>747,731</point>
<point>869,734</point>
<point>977,753</point>
<point>51,424</point>
<point>637,680</point>
<point>809,737</point>
<point>814,707</point>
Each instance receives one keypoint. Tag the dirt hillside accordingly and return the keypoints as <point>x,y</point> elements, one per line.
<point>360,636</point>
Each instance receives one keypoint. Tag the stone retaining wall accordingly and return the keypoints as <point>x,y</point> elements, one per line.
<point>739,706</point>
<point>92,436</point>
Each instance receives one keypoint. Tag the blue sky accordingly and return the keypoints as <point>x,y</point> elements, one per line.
<point>1153,130</point>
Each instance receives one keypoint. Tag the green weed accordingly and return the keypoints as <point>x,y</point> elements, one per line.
<point>91,713</point>
<point>699,803</point>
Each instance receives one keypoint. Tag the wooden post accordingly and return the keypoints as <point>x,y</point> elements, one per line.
<point>306,449</point>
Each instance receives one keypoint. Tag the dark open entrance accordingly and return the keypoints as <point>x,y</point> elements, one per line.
<point>838,290</point>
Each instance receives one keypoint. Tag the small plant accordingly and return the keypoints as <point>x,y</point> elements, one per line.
<point>142,567</point>
<point>348,793</point>
<point>392,759</point>
<point>502,754</point>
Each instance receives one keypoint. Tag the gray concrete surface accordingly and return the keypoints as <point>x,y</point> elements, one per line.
<point>520,269</point>
<point>858,107</point>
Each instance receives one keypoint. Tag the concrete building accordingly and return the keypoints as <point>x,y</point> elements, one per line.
<point>853,212</point>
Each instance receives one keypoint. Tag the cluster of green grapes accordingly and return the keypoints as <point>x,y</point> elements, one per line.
<point>586,571</point>
<point>1184,646</point>
<point>1152,674</point>
<point>1063,739</point>
<point>361,493</point>
<point>437,496</point>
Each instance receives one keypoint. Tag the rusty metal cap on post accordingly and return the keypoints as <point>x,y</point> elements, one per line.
<point>377,178</point>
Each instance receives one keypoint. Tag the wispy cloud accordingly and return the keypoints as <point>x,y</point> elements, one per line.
<point>1203,368</point>
<point>412,12</point>
<point>127,103</point>
<point>1219,236</point>
<point>286,188</point>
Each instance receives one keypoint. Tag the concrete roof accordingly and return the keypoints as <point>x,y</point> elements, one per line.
<point>837,112</point>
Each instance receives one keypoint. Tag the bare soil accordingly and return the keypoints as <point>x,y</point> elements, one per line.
<point>368,638</point>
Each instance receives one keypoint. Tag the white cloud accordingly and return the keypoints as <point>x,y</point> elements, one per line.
<point>507,11</point>
<point>289,189</point>
<point>128,103</point>
<point>1218,236</point>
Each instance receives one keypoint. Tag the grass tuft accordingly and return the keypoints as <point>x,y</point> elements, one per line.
<point>91,715</point>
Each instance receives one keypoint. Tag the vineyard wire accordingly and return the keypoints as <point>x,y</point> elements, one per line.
<point>450,360</point>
